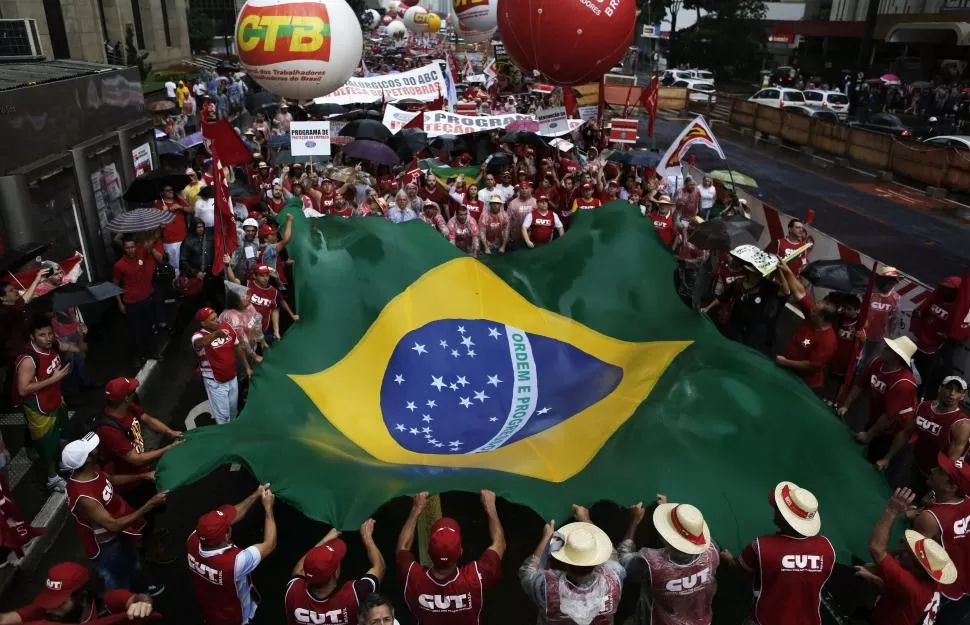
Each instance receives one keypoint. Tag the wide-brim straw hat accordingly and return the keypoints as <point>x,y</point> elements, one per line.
<point>584,544</point>
<point>683,527</point>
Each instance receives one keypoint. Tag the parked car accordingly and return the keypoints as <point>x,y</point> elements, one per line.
<point>832,100</point>
<point>670,76</point>
<point>698,90</point>
<point>778,97</point>
<point>909,126</point>
<point>960,142</point>
<point>702,74</point>
<point>811,110</point>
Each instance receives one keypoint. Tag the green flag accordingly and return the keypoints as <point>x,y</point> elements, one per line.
<point>564,374</point>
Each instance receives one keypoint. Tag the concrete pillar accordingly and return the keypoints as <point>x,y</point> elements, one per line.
<point>89,209</point>
<point>15,208</point>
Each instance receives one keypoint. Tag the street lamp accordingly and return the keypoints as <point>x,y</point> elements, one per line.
<point>675,8</point>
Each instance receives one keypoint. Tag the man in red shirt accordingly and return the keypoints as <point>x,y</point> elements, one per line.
<point>891,394</point>
<point>883,302</point>
<point>539,225</point>
<point>909,577</point>
<point>930,324</point>
<point>134,272</point>
<point>174,233</point>
<point>448,594</point>
<point>313,596</point>
<point>663,220</point>
<point>797,237</point>
<point>789,568</point>
<point>218,347</point>
<point>813,344</point>
<point>68,598</point>
<point>585,201</point>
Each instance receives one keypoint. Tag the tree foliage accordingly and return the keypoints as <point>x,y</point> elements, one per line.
<point>201,31</point>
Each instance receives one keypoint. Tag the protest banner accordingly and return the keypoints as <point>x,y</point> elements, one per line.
<point>437,123</point>
<point>552,121</point>
<point>395,119</point>
<point>310,138</point>
<point>424,84</point>
<point>624,131</point>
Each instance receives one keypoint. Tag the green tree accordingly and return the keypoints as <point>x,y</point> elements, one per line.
<point>201,31</point>
<point>729,38</point>
<point>133,56</point>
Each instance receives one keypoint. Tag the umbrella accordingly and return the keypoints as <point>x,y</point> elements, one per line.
<point>523,125</point>
<point>525,138</point>
<point>733,176</point>
<point>363,114</point>
<point>372,151</point>
<point>72,295</point>
<point>445,143</point>
<point>497,161</point>
<point>322,110</point>
<point>284,157</point>
<point>366,129</point>
<point>21,256</point>
<point>890,79</point>
<point>262,99</point>
<point>725,234</point>
<point>408,142</point>
<point>278,141</point>
<point>838,275</point>
<point>430,163</point>
<point>140,220</point>
<point>637,158</point>
<point>167,147</point>
<point>159,134</point>
<point>192,140</point>
<point>922,84</point>
<point>147,188</point>
<point>161,106</point>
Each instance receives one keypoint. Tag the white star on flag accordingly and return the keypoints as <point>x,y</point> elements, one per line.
<point>400,427</point>
<point>453,386</point>
<point>471,353</point>
<point>436,381</point>
<point>494,333</point>
<point>427,418</point>
<point>494,380</point>
<point>455,353</point>
<point>411,406</point>
<point>464,401</point>
<point>399,379</point>
<point>493,419</point>
<point>419,348</point>
<point>461,380</point>
<point>431,403</point>
<point>443,343</point>
<point>544,410</point>
<point>425,430</point>
<point>461,329</point>
<point>455,443</point>
<point>467,341</point>
<point>413,430</point>
<point>432,441</point>
<point>481,396</point>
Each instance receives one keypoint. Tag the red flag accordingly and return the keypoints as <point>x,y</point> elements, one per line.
<point>649,99</point>
<point>960,315</point>
<point>417,122</point>
<point>222,139</point>
<point>412,173</point>
<point>224,241</point>
<point>569,101</point>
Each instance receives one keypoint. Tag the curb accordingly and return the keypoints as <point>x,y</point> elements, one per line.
<point>54,514</point>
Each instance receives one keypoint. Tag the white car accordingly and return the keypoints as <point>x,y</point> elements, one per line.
<point>698,90</point>
<point>778,97</point>
<point>671,76</point>
<point>960,142</point>
<point>702,74</point>
<point>835,101</point>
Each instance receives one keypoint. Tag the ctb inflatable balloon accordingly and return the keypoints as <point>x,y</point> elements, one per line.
<point>434,23</point>
<point>470,36</point>
<point>416,19</point>
<point>397,29</point>
<point>566,42</point>
<point>370,18</point>
<point>299,49</point>
<point>478,15</point>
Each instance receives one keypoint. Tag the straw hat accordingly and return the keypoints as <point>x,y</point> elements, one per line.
<point>683,527</point>
<point>932,556</point>
<point>904,347</point>
<point>798,507</point>
<point>584,544</point>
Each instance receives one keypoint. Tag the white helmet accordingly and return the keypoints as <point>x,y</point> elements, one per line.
<point>251,222</point>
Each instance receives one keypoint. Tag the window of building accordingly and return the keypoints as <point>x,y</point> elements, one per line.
<point>58,32</point>
<point>165,26</point>
<point>139,31</point>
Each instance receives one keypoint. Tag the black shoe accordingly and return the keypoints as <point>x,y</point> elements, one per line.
<point>155,589</point>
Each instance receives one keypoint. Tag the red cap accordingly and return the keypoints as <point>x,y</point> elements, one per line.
<point>212,526</point>
<point>952,282</point>
<point>253,214</point>
<point>587,186</point>
<point>322,562</point>
<point>958,470</point>
<point>466,156</point>
<point>444,544</point>
<point>120,388</point>
<point>266,229</point>
<point>204,313</point>
<point>542,198</point>
<point>262,269</point>
<point>62,580</point>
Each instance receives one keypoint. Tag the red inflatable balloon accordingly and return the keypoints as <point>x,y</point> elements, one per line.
<point>408,3</point>
<point>566,42</point>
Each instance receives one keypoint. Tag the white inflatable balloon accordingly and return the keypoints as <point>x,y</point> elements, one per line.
<point>370,19</point>
<point>480,16</point>
<point>392,7</point>
<point>470,36</point>
<point>396,29</point>
<point>415,19</point>
<point>299,49</point>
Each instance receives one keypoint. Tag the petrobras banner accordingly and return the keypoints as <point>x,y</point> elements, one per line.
<point>437,123</point>
<point>395,119</point>
<point>424,84</point>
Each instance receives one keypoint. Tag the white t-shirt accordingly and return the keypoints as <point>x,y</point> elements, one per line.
<point>506,191</point>
<point>707,197</point>
<point>206,211</point>
<point>485,194</point>
<point>170,89</point>
<point>198,89</point>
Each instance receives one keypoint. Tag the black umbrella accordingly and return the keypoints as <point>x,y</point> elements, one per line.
<point>278,141</point>
<point>524,138</point>
<point>722,235</point>
<point>167,147</point>
<point>498,161</point>
<point>321,110</point>
<point>363,114</point>
<point>408,142</point>
<point>838,275</point>
<point>72,295</point>
<point>637,158</point>
<point>21,255</point>
<point>445,143</point>
<point>147,188</point>
<point>263,102</point>
<point>366,129</point>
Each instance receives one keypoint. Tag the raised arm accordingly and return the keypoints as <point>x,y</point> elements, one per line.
<point>406,537</point>
<point>495,531</point>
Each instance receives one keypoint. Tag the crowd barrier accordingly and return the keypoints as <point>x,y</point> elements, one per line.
<point>943,167</point>
<point>670,98</point>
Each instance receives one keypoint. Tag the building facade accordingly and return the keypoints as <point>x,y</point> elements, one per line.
<point>78,29</point>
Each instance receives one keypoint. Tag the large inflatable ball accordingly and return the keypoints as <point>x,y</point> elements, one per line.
<point>299,49</point>
<point>469,35</point>
<point>397,29</point>
<point>416,19</point>
<point>370,19</point>
<point>566,42</point>
<point>477,15</point>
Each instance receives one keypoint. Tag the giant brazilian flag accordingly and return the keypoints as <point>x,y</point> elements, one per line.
<point>568,373</point>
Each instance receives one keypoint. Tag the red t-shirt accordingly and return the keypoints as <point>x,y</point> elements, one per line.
<point>115,601</point>
<point>892,393</point>
<point>845,336</point>
<point>116,443</point>
<point>176,231</point>
<point>134,275</point>
<point>811,344</point>
<point>905,600</point>
<point>217,360</point>
<point>456,601</point>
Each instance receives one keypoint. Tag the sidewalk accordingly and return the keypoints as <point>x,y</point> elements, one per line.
<point>108,357</point>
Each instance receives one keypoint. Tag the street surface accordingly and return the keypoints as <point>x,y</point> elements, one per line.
<point>890,222</point>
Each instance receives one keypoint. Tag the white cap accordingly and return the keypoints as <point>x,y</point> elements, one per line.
<point>250,222</point>
<point>954,378</point>
<point>76,453</point>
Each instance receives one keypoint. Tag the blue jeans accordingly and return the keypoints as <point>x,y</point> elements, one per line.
<point>118,564</point>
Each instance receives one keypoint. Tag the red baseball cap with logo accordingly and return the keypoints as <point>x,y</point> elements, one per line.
<point>321,564</point>
<point>444,544</point>
<point>62,580</point>
<point>120,388</point>
<point>212,526</point>
<point>204,313</point>
<point>262,269</point>
<point>266,230</point>
<point>958,470</point>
